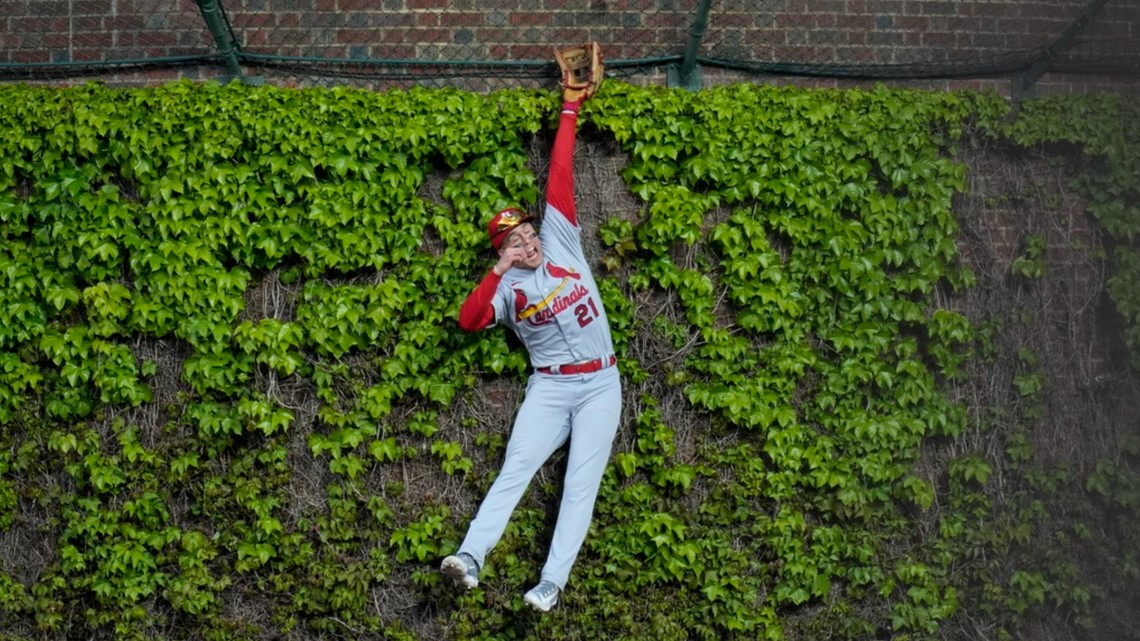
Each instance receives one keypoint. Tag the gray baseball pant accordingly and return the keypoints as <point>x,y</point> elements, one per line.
<point>585,408</point>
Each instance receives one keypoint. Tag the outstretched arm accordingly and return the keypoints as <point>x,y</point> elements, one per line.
<point>560,183</point>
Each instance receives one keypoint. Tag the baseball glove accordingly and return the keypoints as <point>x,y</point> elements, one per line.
<point>582,70</point>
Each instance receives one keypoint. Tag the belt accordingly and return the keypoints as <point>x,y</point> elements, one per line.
<point>581,368</point>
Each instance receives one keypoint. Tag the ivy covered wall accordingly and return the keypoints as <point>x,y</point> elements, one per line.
<point>234,402</point>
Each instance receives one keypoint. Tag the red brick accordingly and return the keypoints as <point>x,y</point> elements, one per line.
<point>938,8</point>
<point>529,52</point>
<point>88,8</point>
<point>257,21</point>
<point>963,23</point>
<point>795,21</point>
<point>429,35</point>
<point>937,39</point>
<point>56,40</point>
<point>460,18</point>
<point>427,19</point>
<point>87,23</point>
<point>912,23</point>
<point>427,4</point>
<point>157,39</point>
<point>1045,26</point>
<point>1013,25</point>
<point>88,55</point>
<point>859,23</point>
<point>828,37</point>
<point>531,19</point>
<point>288,19</point>
<point>255,37</point>
<point>1042,10</point>
<point>39,24</point>
<point>354,36</point>
<point>104,39</point>
<point>885,7</point>
<point>26,55</point>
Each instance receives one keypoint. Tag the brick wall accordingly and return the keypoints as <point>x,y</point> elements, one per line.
<point>899,37</point>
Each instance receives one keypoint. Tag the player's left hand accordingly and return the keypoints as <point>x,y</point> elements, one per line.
<point>582,71</point>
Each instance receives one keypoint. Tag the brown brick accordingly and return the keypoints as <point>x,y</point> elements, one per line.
<point>826,20</point>
<point>258,21</point>
<point>1013,25</point>
<point>347,36</point>
<point>460,19</point>
<point>863,23</point>
<point>88,8</point>
<point>31,55</point>
<point>938,8</point>
<point>963,23</point>
<point>427,4</point>
<point>55,40</point>
<point>103,39</point>
<point>938,39</point>
<point>1043,10</point>
<point>428,35</point>
<point>85,55</point>
<point>987,40</point>
<point>157,39</point>
<point>14,10</point>
<point>40,24</point>
<point>912,23</point>
<point>87,24</point>
<point>828,37</point>
<point>885,38</point>
<point>255,38</point>
<point>795,21</point>
<point>42,8</point>
<point>531,19</point>
<point>529,52</point>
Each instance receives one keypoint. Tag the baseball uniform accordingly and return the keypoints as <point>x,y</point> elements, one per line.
<point>574,392</point>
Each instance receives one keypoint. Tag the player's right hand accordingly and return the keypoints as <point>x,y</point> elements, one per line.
<point>509,258</point>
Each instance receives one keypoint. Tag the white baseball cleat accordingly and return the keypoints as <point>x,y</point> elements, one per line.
<point>462,569</point>
<point>543,596</point>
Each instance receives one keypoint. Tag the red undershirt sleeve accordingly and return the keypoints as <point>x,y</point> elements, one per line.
<point>477,311</point>
<point>560,183</point>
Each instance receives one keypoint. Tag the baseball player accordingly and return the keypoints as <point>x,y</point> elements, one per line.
<point>541,287</point>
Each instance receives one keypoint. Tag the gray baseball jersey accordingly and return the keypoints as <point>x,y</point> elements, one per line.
<point>556,310</point>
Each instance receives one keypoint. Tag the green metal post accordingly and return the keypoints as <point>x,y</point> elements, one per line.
<point>689,75</point>
<point>1023,83</point>
<point>215,22</point>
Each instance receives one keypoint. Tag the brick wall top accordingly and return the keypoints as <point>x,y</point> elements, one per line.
<point>936,33</point>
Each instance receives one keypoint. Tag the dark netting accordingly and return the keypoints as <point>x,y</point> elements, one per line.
<point>474,45</point>
<point>491,44</point>
<point>888,39</point>
<point>59,39</point>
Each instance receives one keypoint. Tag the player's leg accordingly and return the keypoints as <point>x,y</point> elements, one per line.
<point>541,427</point>
<point>592,433</point>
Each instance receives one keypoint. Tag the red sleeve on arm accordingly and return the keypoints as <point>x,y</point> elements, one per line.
<point>560,183</point>
<point>477,311</point>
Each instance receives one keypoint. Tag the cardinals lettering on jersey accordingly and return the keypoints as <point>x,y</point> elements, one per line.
<point>554,303</point>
